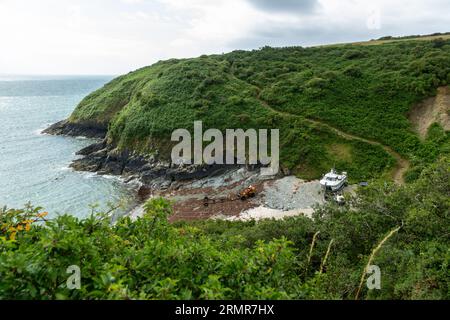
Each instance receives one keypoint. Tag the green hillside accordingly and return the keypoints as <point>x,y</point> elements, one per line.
<point>336,105</point>
<point>344,105</point>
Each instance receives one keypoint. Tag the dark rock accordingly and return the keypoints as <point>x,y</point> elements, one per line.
<point>148,177</point>
<point>134,165</point>
<point>194,172</point>
<point>153,173</point>
<point>92,148</point>
<point>86,164</point>
<point>131,178</point>
<point>91,162</point>
<point>68,128</point>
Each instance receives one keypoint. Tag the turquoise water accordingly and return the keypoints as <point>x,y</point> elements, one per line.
<point>34,167</point>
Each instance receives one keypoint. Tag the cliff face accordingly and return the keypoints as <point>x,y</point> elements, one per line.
<point>85,129</point>
<point>312,95</point>
<point>151,171</point>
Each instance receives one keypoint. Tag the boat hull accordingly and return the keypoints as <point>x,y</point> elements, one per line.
<point>333,186</point>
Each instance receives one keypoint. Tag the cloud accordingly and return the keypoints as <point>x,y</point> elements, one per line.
<point>104,36</point>
<point>132,1</point>
<point>298,6</point>
<point>346,21</point>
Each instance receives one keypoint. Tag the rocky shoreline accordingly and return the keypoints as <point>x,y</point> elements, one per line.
<point>67,128</point>
<point>151,173</point>
<point>187,185</point>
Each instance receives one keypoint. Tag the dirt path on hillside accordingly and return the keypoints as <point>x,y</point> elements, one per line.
<point>431,110</point>
<point>402,164</point>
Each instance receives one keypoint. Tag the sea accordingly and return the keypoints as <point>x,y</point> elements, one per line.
<point>34,167</point>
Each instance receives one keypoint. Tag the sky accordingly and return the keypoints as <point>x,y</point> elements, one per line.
<point>117,36</point>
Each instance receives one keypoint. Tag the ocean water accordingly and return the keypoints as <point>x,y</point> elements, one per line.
<point>33,166</point>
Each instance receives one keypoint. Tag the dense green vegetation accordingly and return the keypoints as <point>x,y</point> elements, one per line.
<point>437,143</point>
<point>363,90</point>
<point>150,258</point>
<point>340,105</point>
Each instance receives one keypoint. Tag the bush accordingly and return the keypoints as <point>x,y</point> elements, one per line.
<point>149,258</point>
<point>317,83</point>
<point>142,259</point>
<point>353,54</point>
<point>353,71</point>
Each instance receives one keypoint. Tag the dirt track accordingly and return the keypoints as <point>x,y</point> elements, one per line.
<point>402,163</point>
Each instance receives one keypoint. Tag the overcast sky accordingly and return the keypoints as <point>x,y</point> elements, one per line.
<point>117,36</point>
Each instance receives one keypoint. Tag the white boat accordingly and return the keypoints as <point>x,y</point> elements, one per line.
<point>332,181</point>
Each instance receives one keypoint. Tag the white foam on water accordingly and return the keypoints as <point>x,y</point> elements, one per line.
<point>88,175</point>
<point>38,132</point>
<point>65,168</point>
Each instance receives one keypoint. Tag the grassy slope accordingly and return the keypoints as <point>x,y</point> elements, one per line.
<point>365,91</point>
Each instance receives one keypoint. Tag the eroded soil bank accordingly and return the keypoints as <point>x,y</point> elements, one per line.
<point>431,110</point>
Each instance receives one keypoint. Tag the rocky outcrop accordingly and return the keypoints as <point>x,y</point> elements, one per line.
<point>68,128</point>
<point>151,172</point>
